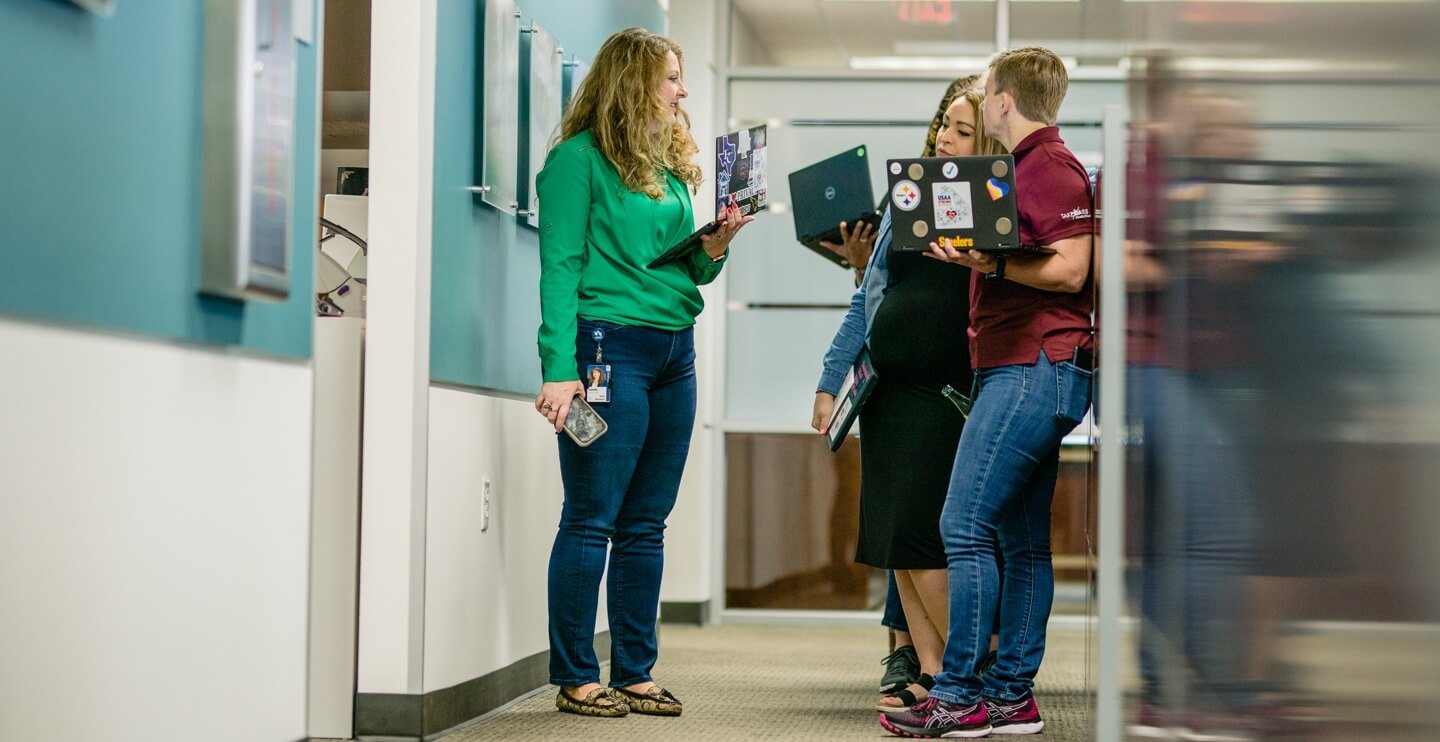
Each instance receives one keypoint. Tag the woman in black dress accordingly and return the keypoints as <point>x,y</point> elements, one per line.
<point>912,313</point>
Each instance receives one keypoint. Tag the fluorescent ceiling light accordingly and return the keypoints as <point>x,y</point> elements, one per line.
<point>930,63</point>
<point>1280,2</point>
<point>1277,66</point>
<point>1063,47</point>
<point>874,2</point>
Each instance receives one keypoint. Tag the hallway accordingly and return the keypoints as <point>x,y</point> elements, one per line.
<point>776,682</point>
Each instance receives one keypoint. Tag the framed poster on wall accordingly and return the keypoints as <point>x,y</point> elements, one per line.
<point>247,157</point>
<point>498,109</point>
<point>540,99</point>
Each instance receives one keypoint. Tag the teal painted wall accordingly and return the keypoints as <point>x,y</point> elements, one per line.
<point>485,303</point>
<point>100,137</point>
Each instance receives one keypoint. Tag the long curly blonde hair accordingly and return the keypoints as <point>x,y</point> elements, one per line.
<point>619,103</point>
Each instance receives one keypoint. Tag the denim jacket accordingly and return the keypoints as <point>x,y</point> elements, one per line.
<point>855,328</point>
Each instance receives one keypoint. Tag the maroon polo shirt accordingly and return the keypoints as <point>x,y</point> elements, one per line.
<point>1011,323</point>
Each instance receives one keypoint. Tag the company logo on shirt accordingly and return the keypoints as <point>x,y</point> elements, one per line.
<point>1074,214</point>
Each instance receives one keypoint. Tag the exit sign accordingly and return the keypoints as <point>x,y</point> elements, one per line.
<point>938,12</point>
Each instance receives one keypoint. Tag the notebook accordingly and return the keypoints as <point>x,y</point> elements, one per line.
<point>856,388</point>
<point>967,203</point>
<point>832,190</point>
<point>739,180</point>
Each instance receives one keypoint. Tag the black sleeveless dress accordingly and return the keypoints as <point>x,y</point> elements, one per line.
<point>908,430</point>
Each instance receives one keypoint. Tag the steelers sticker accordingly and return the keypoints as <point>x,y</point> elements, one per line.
<point>950,170</point>
<point>999,168</point>
<point>894,168</point>
<point>917,171</point>
<point>1003,226</point>
<point>905,195</point>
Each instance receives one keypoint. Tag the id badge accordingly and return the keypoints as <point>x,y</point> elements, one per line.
<point>597,383</point>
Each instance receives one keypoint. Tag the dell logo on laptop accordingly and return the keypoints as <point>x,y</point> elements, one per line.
<point>830,193</point>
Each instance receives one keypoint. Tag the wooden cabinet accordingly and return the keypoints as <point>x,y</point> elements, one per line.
<point>792,518</point>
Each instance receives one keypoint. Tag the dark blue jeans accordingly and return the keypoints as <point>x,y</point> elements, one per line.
<point>1000,493</point>
<point>1198,544</point>
<point>618,493</point>
<point>894,612</point>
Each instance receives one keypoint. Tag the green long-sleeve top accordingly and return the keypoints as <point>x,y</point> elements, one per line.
<point>596,237</point>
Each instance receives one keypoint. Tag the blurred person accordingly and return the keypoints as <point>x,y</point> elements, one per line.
<point>1287,365</point>
<point>910,429</point>
<point>616,193</point>
<point>1193,515</point>
<point>1031,347</point>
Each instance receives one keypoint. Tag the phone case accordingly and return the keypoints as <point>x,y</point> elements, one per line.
<point>583,424</point>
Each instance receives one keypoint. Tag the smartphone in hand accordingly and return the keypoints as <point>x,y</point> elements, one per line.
<point>582,423</point>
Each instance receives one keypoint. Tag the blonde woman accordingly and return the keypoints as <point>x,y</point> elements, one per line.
<point>614,194</point>
<point>917,341</point>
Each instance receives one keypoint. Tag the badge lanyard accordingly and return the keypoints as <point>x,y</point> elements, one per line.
<point>597,375</point>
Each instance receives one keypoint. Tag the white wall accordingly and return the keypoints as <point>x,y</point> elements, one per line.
<point>154,540</point>
<point>485,592</point>
<point>397,358</point>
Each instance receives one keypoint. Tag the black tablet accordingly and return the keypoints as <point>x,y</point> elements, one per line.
<point>684,247</point>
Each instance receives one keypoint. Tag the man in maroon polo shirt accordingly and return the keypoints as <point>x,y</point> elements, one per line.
<point>1030,344</point>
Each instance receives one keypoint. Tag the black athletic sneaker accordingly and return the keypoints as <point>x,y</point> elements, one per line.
<point>902,668</point>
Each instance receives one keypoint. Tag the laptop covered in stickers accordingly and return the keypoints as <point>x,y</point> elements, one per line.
<point>740,181</point>
<point>967,203</point>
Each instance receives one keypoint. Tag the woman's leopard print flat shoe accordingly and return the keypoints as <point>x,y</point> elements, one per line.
<point>604,702</point>
<point>656,701</point>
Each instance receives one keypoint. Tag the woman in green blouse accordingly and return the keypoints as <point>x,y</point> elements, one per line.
<point>614,194</point>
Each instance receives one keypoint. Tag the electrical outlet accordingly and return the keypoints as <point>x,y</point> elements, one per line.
<point>485,504</point>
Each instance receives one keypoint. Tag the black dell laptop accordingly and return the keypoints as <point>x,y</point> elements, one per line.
<point>836,189</point>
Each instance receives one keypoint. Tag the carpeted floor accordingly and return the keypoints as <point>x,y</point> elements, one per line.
<point>777,682</point>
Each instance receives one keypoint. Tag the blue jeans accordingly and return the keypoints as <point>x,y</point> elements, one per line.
<point>618,492</point>
<point>1198,543</point>
<point>1000,493</point>
<point>894,617</point>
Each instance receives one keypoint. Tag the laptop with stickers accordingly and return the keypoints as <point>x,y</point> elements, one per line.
<point>967,203</point>
<point>740,167</point>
